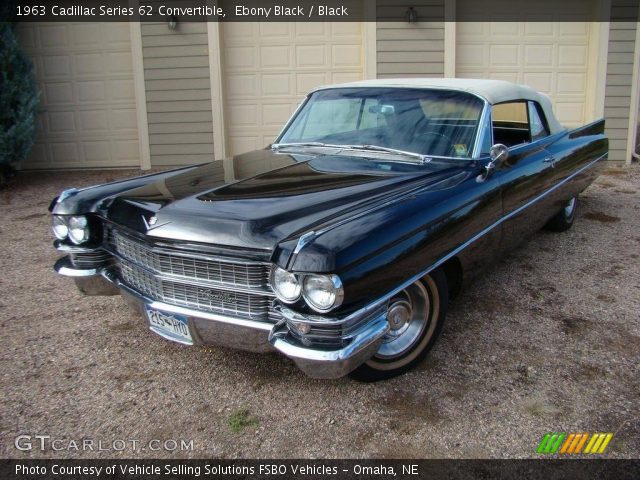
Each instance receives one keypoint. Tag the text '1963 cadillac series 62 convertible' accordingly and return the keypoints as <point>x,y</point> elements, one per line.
<point>341,244</point>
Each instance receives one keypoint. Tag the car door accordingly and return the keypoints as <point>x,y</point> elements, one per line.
<point>527,173</point>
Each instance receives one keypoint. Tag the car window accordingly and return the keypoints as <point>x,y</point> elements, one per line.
<point>510,123</point>
<point>333,116</point>
<point>515,123</point>
<point>537,122</point>
<point>430,122</point>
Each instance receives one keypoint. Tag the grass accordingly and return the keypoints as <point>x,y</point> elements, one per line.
<point>240,419</point>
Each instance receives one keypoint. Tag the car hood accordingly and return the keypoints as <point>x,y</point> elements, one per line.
<point>256,200</point>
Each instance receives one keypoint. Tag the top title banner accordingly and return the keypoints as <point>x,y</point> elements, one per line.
<point>419,11</point>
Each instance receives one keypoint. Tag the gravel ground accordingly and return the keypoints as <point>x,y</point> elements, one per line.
<point>547,340</point>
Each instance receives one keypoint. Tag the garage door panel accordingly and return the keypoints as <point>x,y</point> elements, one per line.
<point>91,91</point>
<point>551,57</point>
<point>65,152</point>
<point>93,120</point>
<point>55,35</point>
<point>539,55</point>
<point>242,86</point>
<point>307,81</point>
<point>345,77</point>
<point>85,75</point>
<point>269,67</point>
<point>542,82</point>
<point>311,56</point>
<point>56,66</point>
<point>572,113</point>
<point>275,56</point>
<point>352,29</point>
<point>276,84</point>
<point>61,122</point>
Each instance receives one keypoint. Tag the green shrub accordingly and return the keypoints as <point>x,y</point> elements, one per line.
<point>19,101</point>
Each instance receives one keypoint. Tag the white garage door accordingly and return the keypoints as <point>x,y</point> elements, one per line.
<point>85,77</point>
<point>268,68</point>
<point>551,57</point>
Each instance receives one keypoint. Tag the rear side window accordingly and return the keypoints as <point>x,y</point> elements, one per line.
<point>537,122</point>
<point>510,123</point>
<point>515,123</point>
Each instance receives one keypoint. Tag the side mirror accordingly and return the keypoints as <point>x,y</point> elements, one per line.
<point>498,154</point>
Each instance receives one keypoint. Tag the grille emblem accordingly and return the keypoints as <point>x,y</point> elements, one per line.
<point>214,296</point>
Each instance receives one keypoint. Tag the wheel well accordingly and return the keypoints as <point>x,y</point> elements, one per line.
<point>452,268</point>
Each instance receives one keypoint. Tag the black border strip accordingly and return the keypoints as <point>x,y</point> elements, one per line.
<point>316,11</point>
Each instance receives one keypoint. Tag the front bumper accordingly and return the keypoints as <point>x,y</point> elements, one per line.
<point>214,329</point>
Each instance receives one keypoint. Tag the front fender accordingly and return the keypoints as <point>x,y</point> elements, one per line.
<point>376,252</point>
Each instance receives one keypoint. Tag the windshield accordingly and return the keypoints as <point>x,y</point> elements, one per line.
<point>427,122</point>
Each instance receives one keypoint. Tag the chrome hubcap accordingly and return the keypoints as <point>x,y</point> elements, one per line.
<point>568,210</point>
<point>399,316</point>
<point>408,315</point>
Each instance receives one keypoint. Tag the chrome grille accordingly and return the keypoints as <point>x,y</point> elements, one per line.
<point>206,299</point>
<point>181,265</point>
<point>209,285</point>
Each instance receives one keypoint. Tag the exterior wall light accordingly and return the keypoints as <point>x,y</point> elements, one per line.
<point>172,23</point>
<point>411,15</point>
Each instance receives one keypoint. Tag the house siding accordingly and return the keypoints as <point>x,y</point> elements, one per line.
<point>410,50</point>
<point>617,100</point>
<point>178,93</point>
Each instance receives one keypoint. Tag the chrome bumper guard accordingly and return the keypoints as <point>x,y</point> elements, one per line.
<point>249,335</point>
<point>331,363</point>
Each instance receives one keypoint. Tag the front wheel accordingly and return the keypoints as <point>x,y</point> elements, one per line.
<point>416,316</point>
<point>563,220</point>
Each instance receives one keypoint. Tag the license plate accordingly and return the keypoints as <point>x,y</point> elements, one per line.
<point>170,325</point>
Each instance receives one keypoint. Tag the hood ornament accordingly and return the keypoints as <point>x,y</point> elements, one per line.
<point>151,222</point>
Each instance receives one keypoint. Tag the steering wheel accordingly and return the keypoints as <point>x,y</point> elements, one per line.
<point>424,142</point>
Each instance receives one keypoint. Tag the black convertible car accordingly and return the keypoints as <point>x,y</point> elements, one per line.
<point>341,244</point>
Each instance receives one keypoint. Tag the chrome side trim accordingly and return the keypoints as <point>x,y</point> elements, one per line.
<point>482,127</point>
<point>303,240</point>
<point>317,320</point>
<point>290,121</point>
<point>483,232</point>
<point>366,211</point>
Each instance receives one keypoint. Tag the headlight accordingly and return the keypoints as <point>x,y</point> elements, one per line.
<point>78,230</point>
<point>59,227</point>
<point>285,285</point>
<point>323,292</point>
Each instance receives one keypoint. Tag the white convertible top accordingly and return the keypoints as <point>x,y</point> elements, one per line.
<point>493,91</point>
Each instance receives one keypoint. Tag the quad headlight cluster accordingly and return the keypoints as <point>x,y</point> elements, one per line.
<point>321,292</point>
<point>75,228</point>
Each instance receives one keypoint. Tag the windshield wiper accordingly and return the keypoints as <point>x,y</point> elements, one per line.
<point>372,148</point>
<point>378,148</point>
<point>276,146</point>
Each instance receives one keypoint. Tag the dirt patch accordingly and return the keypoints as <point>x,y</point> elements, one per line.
<point>601,217</point>
<point>616,172</point>
<point>547,338</point>
<point>572,325</point>
<point>606,298</point>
